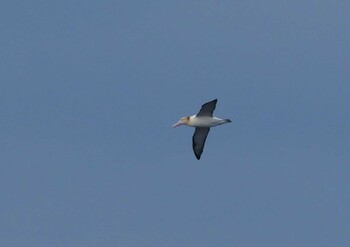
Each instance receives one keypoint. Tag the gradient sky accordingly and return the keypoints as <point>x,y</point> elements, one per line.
<point>89,91</point>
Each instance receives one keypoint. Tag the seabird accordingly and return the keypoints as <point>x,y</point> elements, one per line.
<point>202,121</point>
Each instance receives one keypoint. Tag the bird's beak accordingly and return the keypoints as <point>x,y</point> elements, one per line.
<point>177,124</point>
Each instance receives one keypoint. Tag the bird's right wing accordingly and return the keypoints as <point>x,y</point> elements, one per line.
<point>198,141</point>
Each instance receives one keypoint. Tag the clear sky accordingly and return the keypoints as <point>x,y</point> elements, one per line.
<point>89,91</point>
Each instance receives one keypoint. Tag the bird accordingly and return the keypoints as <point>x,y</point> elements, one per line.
<point>202,121</point>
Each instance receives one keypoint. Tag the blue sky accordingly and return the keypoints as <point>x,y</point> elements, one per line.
<point>90,89</point>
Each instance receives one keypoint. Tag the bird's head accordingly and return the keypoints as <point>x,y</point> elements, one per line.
<point>182,121</point>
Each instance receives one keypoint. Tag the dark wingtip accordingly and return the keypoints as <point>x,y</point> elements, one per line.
<point>228,121</point>
<point>198,157</point>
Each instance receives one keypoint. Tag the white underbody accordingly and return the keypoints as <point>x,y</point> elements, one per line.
<point>203,121</point>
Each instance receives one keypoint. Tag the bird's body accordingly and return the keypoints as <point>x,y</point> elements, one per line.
<point>205,121</point>
<point>202,121</point>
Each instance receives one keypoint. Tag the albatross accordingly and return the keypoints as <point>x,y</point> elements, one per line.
<point>203,121</point>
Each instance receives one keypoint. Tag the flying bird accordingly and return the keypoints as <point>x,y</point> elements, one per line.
<point>202,121</point>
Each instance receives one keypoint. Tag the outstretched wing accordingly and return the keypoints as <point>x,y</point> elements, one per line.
<point>198,141</point>
<point>208,108</point>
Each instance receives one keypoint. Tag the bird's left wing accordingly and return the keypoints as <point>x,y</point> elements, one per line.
<point>207,109</point>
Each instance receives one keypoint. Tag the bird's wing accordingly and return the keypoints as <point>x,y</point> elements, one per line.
<point>198,141</point>
<point>208,108</point>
